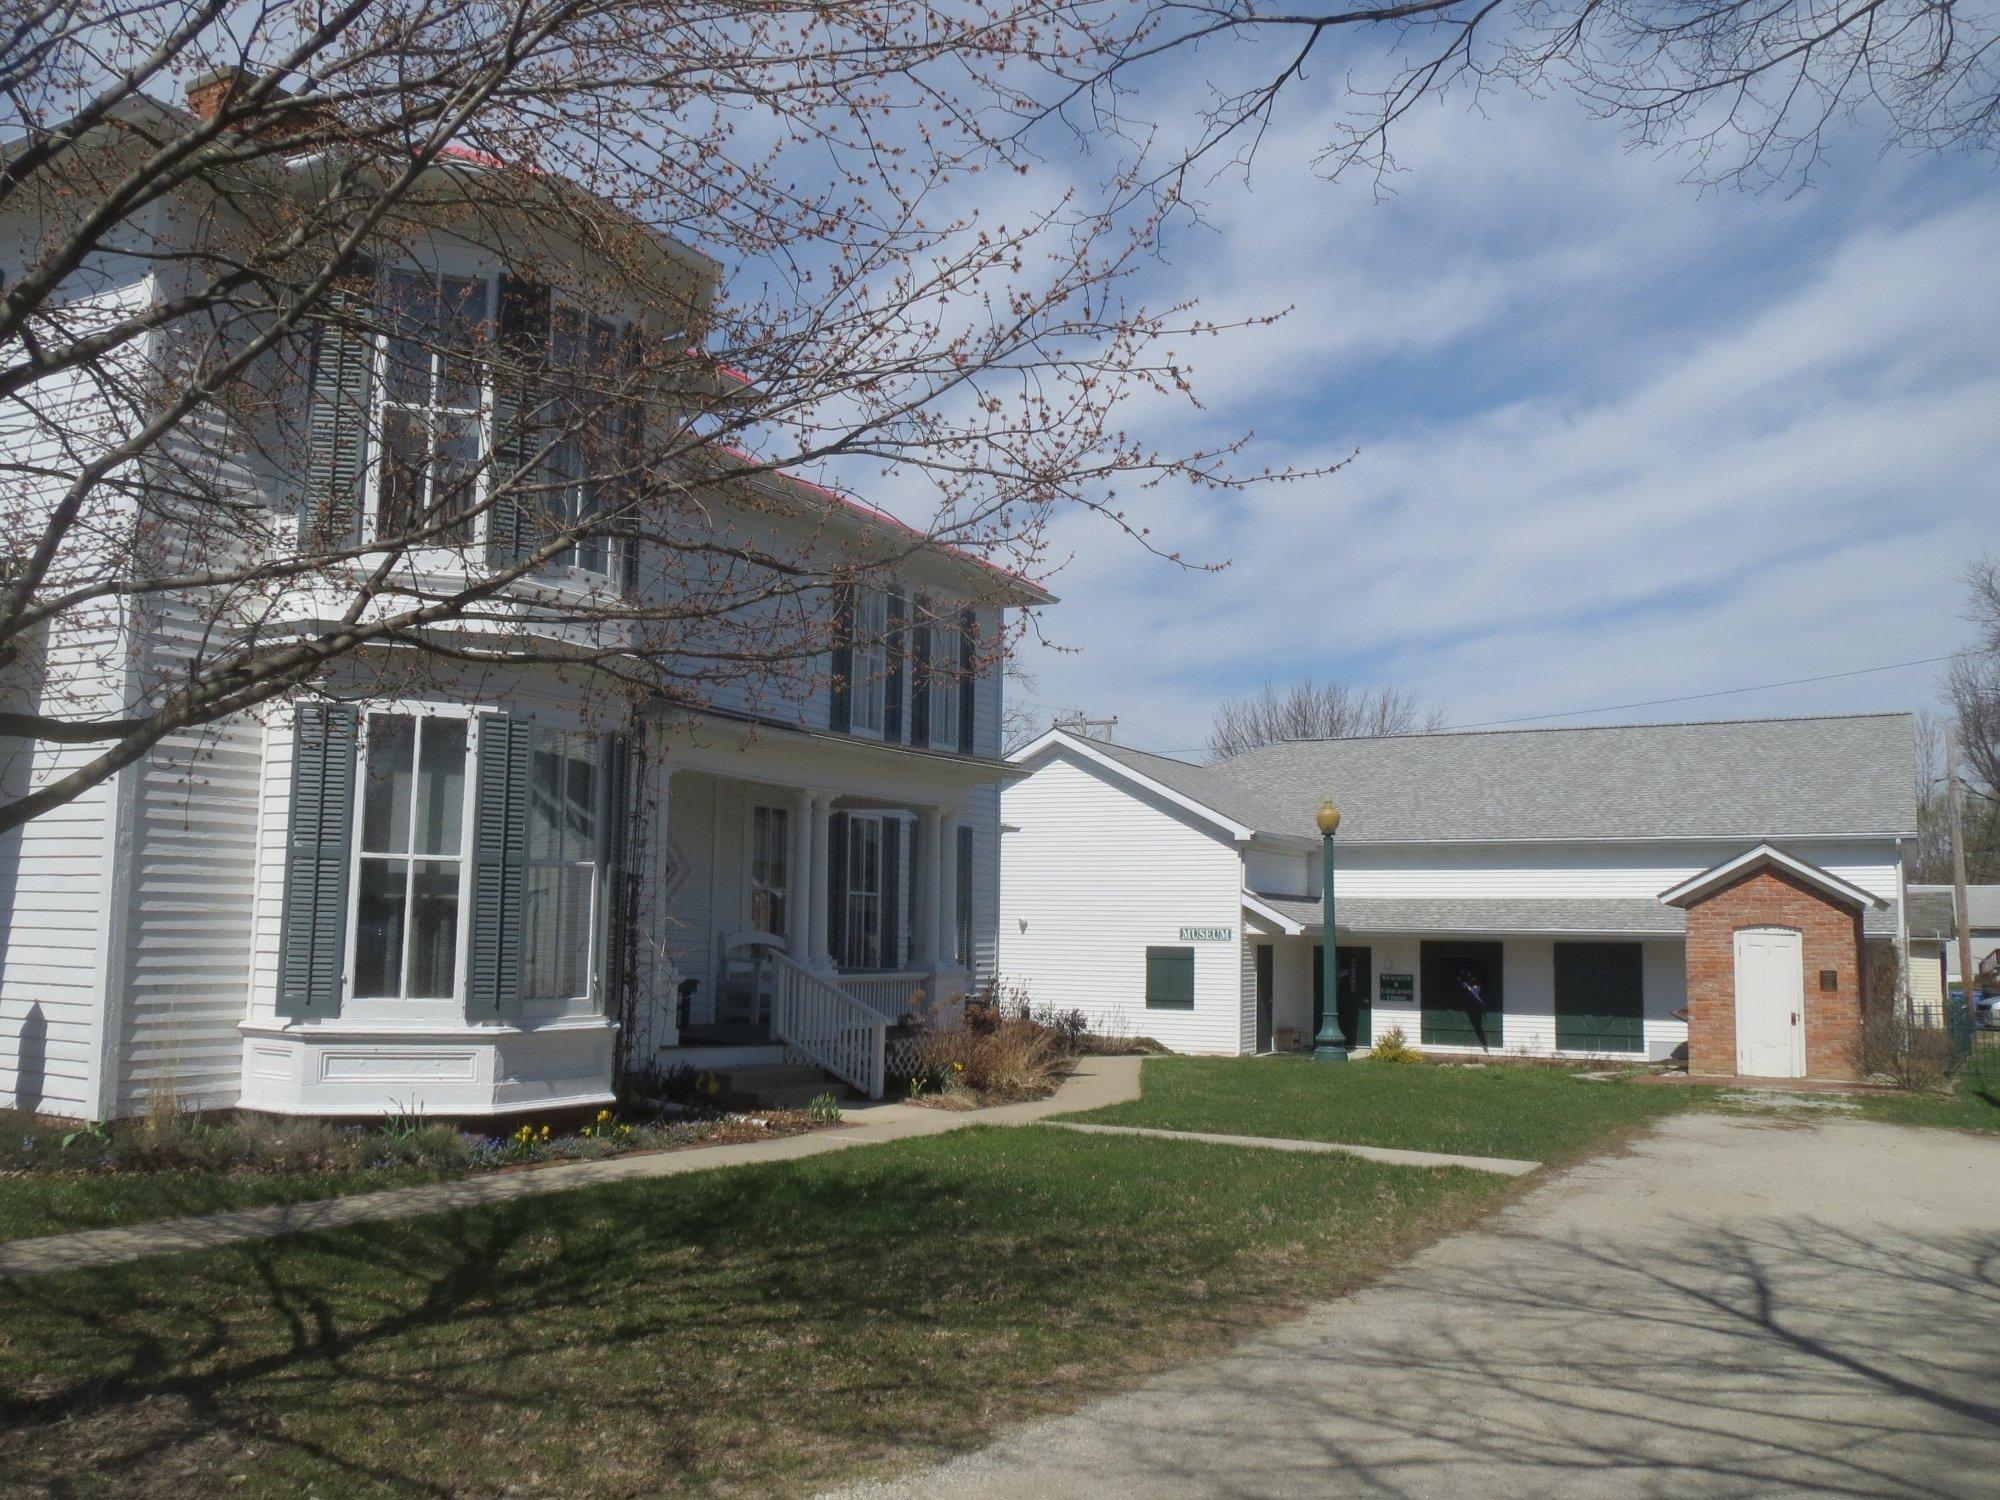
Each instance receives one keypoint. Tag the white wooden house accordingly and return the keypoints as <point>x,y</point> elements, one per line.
<point>1532,892</point>
<point>455,900</point>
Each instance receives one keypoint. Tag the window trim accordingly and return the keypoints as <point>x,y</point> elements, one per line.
<point>1176,951</point>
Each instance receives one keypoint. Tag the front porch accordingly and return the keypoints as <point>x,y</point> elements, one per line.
<point>810,884</point>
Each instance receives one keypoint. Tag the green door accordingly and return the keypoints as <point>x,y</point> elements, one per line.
<point>1266,959</point>
<point>1462,1001</point>
<point>1354,979</point>
<point>1600,998</point>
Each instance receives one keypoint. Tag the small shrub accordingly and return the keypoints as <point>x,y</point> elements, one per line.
<point>1393,1047</point>
<point>1913,1053</point>
<point>823,1109</point>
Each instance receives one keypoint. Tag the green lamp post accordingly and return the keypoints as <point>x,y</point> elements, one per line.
<point>1331,1043</point>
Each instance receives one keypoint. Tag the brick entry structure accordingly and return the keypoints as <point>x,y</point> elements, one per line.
<point>1829,924</point>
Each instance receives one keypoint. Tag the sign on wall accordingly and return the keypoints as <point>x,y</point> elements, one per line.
<point>1208,934</point>
<point>1398,989</point>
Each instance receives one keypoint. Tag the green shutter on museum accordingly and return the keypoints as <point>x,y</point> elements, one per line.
<point>1170,979</point>
<point>1600,997</point>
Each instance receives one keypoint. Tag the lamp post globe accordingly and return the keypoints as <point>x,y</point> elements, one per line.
<point>1331,1043</point>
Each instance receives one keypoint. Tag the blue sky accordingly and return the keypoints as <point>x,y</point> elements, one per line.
<point>1618,437</point>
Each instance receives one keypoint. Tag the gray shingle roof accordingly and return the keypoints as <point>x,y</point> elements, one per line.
<point>1622,916</point>
<point>1982,904</point>
<point>1763,778</point>
<point>1930,911</point>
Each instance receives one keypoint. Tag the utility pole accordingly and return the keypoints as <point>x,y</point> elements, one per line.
<point>1966,978</point>
<point>1085,727</point>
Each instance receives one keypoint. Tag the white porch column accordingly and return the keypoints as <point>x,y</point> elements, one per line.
<point>924,889</point>
<point>822,810</point>
<point>806,879</point>
<point>666,974</point>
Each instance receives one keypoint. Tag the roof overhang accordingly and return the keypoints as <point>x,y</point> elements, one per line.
<point>1082,749</point>
<point>1767,857</point>
<point>750,749</point>
<point>1288,926</point>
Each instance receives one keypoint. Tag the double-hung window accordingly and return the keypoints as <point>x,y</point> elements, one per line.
<point>869,662</point>
<point>865,893</point>
<point>559,893</point>
<point>770,855</point>
<point>587,441</point>
<point>411,861</point>
<point>433,407</point>
<point>940,679</point>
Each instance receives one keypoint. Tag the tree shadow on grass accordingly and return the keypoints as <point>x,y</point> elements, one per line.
<point>759,1323</point>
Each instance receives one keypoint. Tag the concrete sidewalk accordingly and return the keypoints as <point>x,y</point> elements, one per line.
<point>1733,1307</point>
<point>1392,1156</point>
<point>1097,1081</point>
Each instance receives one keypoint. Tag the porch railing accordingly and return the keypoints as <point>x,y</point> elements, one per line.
<point>890,996</point>
<point>826,1025</point>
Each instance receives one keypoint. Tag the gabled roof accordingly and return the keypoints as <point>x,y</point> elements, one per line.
<point>1982,904</point>
<point>1930,911</point>
<point>1740,779</point>
<point>1764,857</point>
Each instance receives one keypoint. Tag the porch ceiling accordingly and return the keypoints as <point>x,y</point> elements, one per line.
<point>821,760</point>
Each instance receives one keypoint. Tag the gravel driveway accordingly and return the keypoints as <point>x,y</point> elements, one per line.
<point>1736,1306</point>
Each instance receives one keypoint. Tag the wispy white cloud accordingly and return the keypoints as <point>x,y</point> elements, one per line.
<point>1617,440</point>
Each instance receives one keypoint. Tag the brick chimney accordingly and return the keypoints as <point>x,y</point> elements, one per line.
<point>207,94</point>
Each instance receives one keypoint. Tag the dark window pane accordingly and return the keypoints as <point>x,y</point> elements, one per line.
<point>405,456</point>
<point>544,805</point>
<point>434,929</point>
<point>385,808</point>
<point>441,787</point>
<point>378,929</point>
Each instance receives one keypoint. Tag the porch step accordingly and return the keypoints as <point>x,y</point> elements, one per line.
<point>785,1086</point>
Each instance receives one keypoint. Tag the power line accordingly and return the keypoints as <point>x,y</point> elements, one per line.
<point>1612,708</point>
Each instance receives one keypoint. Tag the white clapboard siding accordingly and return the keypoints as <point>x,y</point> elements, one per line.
<point>1094,875</point>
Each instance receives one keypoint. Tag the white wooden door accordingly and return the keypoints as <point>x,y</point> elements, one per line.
<point>1770,1003</point>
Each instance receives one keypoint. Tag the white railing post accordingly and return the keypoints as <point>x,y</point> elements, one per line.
<point>829,1027</point>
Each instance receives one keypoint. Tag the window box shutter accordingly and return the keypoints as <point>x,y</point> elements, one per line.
<point>1170,979</point>
<point>312,932</point>
<point>499,858</point>
<point>836,886</point>
<point>892,697</point>
<point>517,395</point>
<point>336,458</point>
<point>968,682</point>
<point>841,666</point>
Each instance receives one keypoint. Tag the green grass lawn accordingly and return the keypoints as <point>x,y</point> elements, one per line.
<point>763,1329</point>
<point>1971,1104</point>
<point>50,1203</point>
<point>1536,1114</point>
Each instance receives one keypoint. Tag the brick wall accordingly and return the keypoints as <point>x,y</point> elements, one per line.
<point>1831,937</point>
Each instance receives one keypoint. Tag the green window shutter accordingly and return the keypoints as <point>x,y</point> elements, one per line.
<point>312,937</point>
<point>842,665</point>
<point>499,856</point>
<point>968,684</point>
<point>632,455</point>
<point>920,678</point>
<point>1600,997</point>
<point>336,457</point>
<point>892,697</point>
<point>621,762</point>
<point>517,396</point>
<point>1170,979</point>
